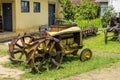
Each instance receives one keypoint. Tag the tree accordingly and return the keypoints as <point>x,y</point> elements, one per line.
<point>88,9</point>
<point>68,10</point>
<point>108,14</point>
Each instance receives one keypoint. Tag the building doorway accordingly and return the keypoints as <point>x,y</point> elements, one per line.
<point>51,14</point>
<point>7,16</point>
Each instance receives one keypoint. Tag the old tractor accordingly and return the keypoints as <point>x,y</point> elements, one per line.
<point>48,48</point>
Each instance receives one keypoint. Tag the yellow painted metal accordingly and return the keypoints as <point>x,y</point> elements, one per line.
<point>86,55</point>
<point>52,33</point>
<point>27,50</point>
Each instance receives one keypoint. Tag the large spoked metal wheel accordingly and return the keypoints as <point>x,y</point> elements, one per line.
<point>17,48</point>
<point>47,54</point>
<point>105,36</point>
<point>85,54</point>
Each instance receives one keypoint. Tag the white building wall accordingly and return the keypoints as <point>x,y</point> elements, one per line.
<point>116,5</point>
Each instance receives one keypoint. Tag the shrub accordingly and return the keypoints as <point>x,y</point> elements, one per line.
<point>88,9</point>
<point>68,10</point>
<point>108,14</point>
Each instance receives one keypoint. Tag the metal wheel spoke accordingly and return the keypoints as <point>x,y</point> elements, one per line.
<point>47,65</point>
<point>19,49</point>
<point>17,52</point>
<point>43,45</point>
<point>21,55</point>
<point>19,45</point>
<point>46,46</point>
<point>52,46</point>
<point>41,63</point>
<point>30,40</point>
<point>55,62</point>
<point>22,41</point>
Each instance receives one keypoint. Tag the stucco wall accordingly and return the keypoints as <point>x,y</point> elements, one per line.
<point>30,21</point>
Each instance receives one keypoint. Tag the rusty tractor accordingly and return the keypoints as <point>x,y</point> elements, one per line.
<point>48,49</point>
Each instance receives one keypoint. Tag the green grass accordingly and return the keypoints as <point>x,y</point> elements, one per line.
<point>97,44</point>
<point>7,79</point>
<point>3,50</point>
<point>84,23</point>
<point>70,66</point>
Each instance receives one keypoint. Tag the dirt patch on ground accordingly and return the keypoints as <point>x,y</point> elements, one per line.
<point>4,59</point>
<point>4,45</point>
<point>8,72</point>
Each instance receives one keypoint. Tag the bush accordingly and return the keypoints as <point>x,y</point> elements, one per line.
<point>68,10</point>
<point>108,14</point>
<point>88,9</point>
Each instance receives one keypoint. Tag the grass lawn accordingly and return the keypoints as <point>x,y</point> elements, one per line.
<point>72,65</point>
<point>3,49</point>
<point>84,23</point>
<point>97,44</point>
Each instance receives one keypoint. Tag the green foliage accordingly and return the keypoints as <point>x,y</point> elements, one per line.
<point>108,14</point>
<point>69,11</point>
<point>88,9</point>
<point>83,23</point>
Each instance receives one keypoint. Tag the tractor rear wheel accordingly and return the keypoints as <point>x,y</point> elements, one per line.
<point>52,56</point>
<point>47,53</point>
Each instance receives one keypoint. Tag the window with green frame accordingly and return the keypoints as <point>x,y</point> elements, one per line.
<point>36,7</point>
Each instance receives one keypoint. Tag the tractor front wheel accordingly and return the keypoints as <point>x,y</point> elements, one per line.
<point>85,54</point>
